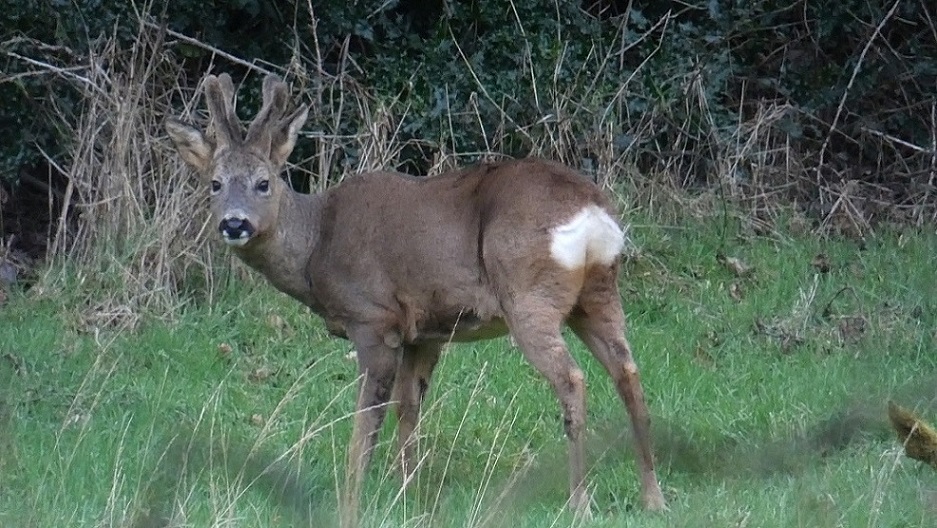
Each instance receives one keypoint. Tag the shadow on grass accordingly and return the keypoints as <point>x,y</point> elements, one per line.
<point>191,454</point>
<point>758,456</point>
<point>711,457</point>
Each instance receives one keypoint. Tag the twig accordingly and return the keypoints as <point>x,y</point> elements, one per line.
<point>26,177</point>
<point>825,312</point>
<point>900,141</point>
<point>68,72</point>
<point>852,79</point>
<point>208,47</point>
<point>57,241</point>
<point>22,75</point>
<point>484,91</point>
<point>933,144</point>
<point>933,159</point>
<point>663,22</point>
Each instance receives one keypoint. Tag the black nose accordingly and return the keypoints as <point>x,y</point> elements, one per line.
<point>236,228</point>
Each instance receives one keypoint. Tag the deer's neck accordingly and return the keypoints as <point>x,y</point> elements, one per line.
<point>283,257</point>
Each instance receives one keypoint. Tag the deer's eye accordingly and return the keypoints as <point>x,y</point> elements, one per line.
<point>263,186</point>
<point>215,186</point>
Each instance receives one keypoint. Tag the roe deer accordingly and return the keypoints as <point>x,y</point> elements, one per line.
<point>401,265</point>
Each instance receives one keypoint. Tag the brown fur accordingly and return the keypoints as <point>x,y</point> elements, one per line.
<point>401,265</point>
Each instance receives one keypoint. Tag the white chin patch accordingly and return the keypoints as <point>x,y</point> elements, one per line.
<point>236,242</point>
<point>590,237</point>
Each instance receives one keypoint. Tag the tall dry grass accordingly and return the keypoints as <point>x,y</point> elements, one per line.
<point>133,219</point>
<point>130,227</point>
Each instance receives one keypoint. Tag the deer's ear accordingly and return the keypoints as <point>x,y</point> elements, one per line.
<point>192,145</point>
<point>284,137</point>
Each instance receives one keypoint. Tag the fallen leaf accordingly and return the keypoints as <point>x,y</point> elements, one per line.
<point>790,341</point>
<point>76,418</point>
<point>277,323</point>
<point>851,328</point>
<point>259,374</point>
<point>703,356</point>
<point>715,338</point>
<point>224,350</point>
<point>257,420</point>
<point>735,291</point>
<point>735,265</point>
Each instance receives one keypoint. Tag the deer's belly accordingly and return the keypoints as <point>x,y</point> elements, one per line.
<point>466,329</point>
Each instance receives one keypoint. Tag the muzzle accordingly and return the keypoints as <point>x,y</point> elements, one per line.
<point>236,231</point>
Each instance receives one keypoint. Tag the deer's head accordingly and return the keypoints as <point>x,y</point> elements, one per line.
<point>242,172</point>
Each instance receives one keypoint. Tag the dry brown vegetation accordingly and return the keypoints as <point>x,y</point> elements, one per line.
<point>109,204</point>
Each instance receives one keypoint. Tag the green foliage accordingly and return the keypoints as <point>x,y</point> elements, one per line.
<point>44,30</point>
<point>675,79</point>
<point>61,33</point>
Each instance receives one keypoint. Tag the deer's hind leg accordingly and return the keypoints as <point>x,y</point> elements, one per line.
<point>413,379</point>
<point>599,321</point>
<point>535,323</point>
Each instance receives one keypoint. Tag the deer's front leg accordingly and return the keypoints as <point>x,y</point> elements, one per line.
<point>378,357</point>
<point>413,380</point>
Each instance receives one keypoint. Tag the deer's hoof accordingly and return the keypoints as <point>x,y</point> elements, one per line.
<point>653,501</point>
<point>581,504</point>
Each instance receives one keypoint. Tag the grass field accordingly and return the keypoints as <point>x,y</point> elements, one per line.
<point>768,392</point>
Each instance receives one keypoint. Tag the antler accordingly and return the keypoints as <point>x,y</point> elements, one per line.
<point>219,93</point>
<point>261,129</point>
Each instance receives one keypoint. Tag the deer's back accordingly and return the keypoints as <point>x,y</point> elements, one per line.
<point>429,245</point>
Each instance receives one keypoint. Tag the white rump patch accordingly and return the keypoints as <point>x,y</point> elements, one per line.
<point>590,237</point>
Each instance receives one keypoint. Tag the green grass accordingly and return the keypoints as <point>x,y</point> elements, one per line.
<point>768,394</point>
